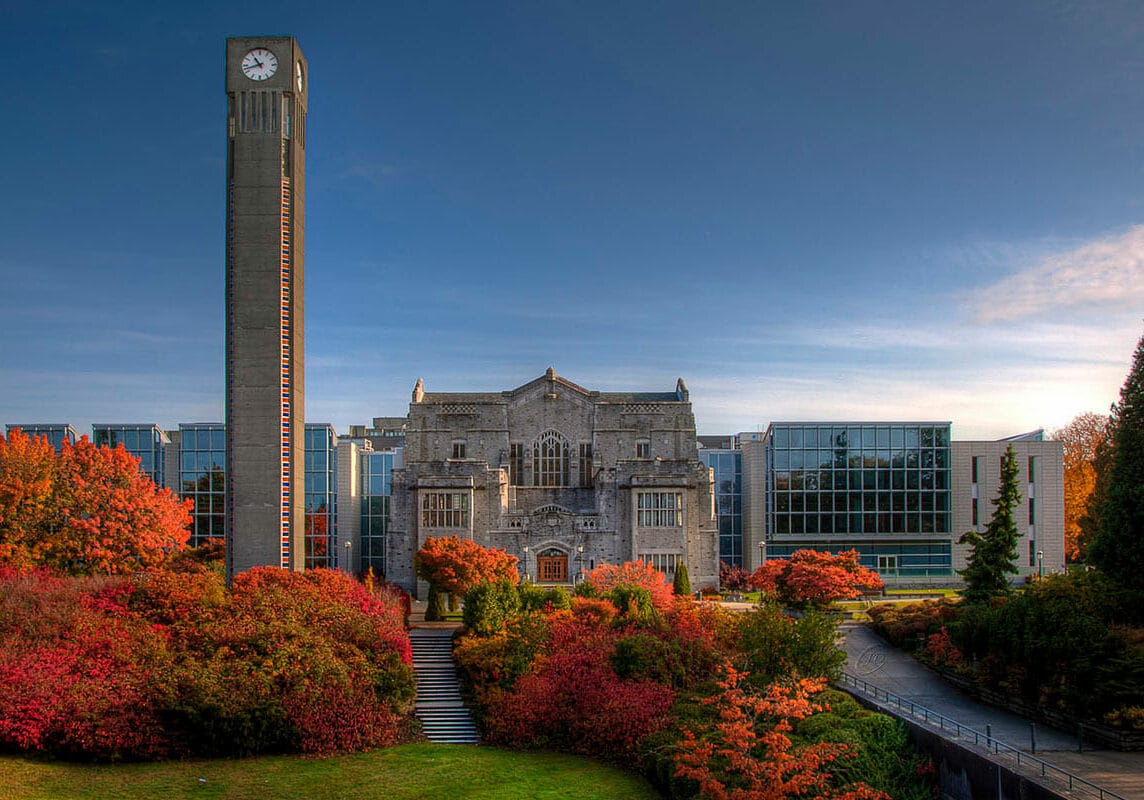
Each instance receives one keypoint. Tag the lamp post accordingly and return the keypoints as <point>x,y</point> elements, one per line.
<point>348,546</point>
<point>762,552</point>
<point>1040,564</point>
<point>580,560</point>
<point>524,571</point>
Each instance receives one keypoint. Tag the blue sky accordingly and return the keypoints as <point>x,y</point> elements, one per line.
<point>848,210</point>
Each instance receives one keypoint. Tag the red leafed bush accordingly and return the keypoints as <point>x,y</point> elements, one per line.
<point>941,651</point>
<point>164,664</point>
<point>733,577</point>
<point>331,718</point>
<point>574,701</point>
<point>607,577</point>
<point>811,577</point>
<point>86,683</point>
<point>591,611</point>
<point>705,635</point>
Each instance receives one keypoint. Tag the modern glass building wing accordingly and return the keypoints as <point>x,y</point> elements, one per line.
<point>883,488</point>
<point>727,466</point>
<point>202,477</point>
<point>376,485</point>
<point>57,432</point>
<point>321,495</point>
<point>145,442</point>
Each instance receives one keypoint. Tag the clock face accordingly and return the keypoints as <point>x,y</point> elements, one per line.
<point>259,64</point>
<point>298,76</point>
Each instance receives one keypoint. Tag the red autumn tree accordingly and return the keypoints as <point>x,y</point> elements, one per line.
<point>606,577</point>
<point>455,565</point>
<point>733,577</point>
<point>748,755</point>
<point>27,468</point>
<point>100,514</point>
<point>811,577</point>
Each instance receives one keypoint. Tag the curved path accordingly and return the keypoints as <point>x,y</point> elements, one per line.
<point>871,659</point>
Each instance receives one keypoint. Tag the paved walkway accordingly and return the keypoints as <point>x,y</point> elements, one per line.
<point>872,660</point>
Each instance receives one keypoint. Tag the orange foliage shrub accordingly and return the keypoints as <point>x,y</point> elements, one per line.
<point>811,577</point>
<point>607,577</point>
<point>748,754</point>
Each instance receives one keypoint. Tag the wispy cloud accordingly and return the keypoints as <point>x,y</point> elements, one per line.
<point>371,170</point>
<point>1106,273</point>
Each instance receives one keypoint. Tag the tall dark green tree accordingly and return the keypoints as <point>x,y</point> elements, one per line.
<point>993,555</point>
<point>1118,549</point>
<point>681,584</point>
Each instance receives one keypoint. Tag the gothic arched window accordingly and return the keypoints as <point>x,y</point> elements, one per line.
<point>550,460</point>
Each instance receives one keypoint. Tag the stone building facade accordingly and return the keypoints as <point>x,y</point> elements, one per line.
<point>562,477</point>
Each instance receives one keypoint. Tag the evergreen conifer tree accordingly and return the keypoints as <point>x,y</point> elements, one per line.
<point>1118,549</point>
<point>681,585</point>
<point>994,552</point>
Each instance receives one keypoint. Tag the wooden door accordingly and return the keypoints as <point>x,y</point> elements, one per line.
<point>552,568</point>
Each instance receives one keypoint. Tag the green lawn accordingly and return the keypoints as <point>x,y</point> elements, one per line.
<point>412,771</point>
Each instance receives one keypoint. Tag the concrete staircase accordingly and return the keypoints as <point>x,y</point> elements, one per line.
<point>443,715</point>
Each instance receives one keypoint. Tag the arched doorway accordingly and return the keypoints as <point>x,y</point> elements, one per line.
<point>552,566</point>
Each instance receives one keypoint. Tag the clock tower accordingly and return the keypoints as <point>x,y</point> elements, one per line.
<point>266,87</point>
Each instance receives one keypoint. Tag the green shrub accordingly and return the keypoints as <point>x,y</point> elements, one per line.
<point>490,606</point>
<point>1056,646</point>
<point>633,602</point>
<point>641,656</point>
<point>537,598</point>
<point>585,589</point>
<point>776,645</point>
<point>882,755</point>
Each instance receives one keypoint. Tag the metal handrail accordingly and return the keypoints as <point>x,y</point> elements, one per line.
<point>992,744</point>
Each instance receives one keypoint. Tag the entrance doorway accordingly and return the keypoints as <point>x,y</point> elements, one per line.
<point>552,566</point>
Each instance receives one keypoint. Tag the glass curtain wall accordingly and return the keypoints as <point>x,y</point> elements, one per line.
<point>321,495</point>
<point>202,459</point>
<point>376,483</point>
<point>868,480</point>
<point>145,442</point>
<point>56,434</point>
<point>727,466</point>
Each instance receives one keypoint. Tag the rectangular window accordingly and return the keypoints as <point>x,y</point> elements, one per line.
<point>660,509</point>
<point>516,465</point>
<point>585,465</point>
<point>445,510</point>
<point>663,562</point>
<point>643,449</point>
<point>1032,511</point>
<point>975,512</point>
<point>1032,553</point>
<point>1031,473</point>
<point>887,565</point>
<point>459,449</point>
<point>975,460</point>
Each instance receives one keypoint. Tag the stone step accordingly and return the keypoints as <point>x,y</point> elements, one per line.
<point>439,705</point>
